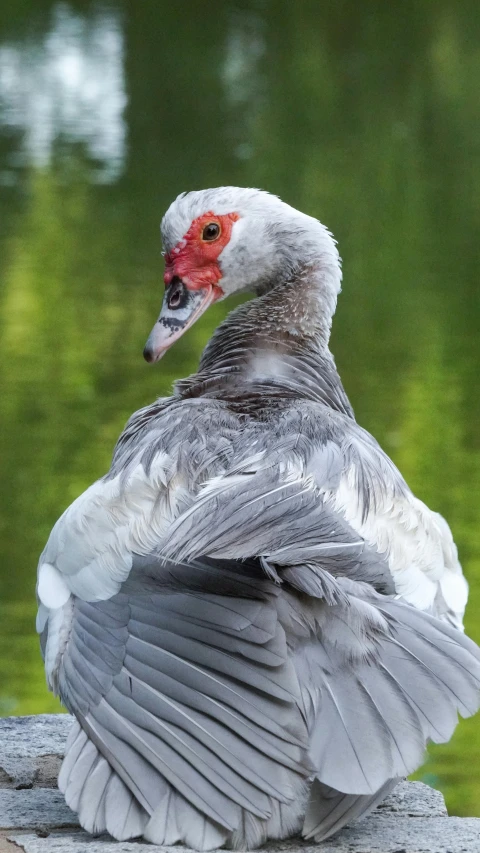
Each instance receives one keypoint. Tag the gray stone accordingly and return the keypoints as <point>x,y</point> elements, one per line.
<point>34,809</point>
<point>30,747</point>
<point>43,734</point>
<point>80,842</point>
<point>393,834</point>
<point>376,834</point>
<point>414,799</point>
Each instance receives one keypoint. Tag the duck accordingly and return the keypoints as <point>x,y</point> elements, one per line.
<point>255,624</point>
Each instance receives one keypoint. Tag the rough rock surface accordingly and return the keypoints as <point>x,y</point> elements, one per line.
<point>30,749</point>
<point>35,819</point>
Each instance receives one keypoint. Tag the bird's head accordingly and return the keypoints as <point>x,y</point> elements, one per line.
<point>228,240</point>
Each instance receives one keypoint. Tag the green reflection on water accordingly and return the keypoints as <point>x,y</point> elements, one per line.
<point>366,119</point>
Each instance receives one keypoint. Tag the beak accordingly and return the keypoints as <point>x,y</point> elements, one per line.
<point>180,309</point>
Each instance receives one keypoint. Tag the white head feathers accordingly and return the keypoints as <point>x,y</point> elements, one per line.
<point>269,242</point>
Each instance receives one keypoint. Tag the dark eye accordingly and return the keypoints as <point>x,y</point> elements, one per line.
<point>211,232</point>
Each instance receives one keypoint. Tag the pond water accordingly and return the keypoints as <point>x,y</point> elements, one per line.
<point>363,114</point>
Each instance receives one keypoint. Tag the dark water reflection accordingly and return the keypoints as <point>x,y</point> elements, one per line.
<point>366,115</point>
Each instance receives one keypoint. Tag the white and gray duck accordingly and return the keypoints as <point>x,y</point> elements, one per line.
<point>255,623</point>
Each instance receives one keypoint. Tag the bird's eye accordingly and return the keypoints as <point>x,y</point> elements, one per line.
<point>211,232</point>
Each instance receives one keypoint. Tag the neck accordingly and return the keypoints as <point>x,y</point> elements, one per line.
<point>301,307</point>
<point>277,344</point>
<point>297,292</point>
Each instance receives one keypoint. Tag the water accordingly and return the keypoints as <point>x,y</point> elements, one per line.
<point>366,115</point>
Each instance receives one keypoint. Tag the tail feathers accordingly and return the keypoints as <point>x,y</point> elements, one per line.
<point>105,804</point>
<point>91,787</point>
<point>440,653</point>
<point>176,820</point>
<point>329,810</point>
<point>374,717</point>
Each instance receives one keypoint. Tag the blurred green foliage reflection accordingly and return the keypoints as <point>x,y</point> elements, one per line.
<point>363,114</point>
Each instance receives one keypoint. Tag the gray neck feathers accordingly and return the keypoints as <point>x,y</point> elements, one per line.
<point>300,297</point>
<point>297,298</point>
<point>277,344</point>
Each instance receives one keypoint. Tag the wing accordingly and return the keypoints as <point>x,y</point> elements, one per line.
<point>373,708</point>
<point>188,705</point>
<point>387,676</point>
<point>329,482</point>
<point>161,459</point>
<point>382,679</point>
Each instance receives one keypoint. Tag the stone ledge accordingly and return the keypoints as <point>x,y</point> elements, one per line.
<point>373,834</point>
<point>31,749</point>
<point>34,817</point>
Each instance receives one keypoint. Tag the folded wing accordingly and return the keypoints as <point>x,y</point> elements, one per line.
<point>190,705</point>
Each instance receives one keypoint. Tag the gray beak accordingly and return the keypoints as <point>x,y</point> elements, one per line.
<point>180,308</point>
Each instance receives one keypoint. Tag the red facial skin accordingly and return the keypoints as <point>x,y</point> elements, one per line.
<point>195,261</point>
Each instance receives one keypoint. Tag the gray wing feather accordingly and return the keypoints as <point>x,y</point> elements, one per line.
<point>124,816</point>
<point>191,701</point>
<point>92,806</point>
<point>260,513</point>
<point>386,679</point>
<point>329,810</point>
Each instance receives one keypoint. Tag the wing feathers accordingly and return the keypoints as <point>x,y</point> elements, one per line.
<point>329,810</point>
<point>202,716</point>
<point>168,761</point>
<point>220,699</point>
<point>226,641</point>
<point>165,726</point>
<point>375,716</point>
<point>266,679</point>
<point>236,755</point>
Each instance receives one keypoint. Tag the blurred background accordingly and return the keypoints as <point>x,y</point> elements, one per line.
<point>366,115</point>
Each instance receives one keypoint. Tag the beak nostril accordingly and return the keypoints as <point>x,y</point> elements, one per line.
<point>177,294</point>
<point>174,300</point>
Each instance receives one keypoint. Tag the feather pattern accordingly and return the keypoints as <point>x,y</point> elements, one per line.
<point>328,810</point>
